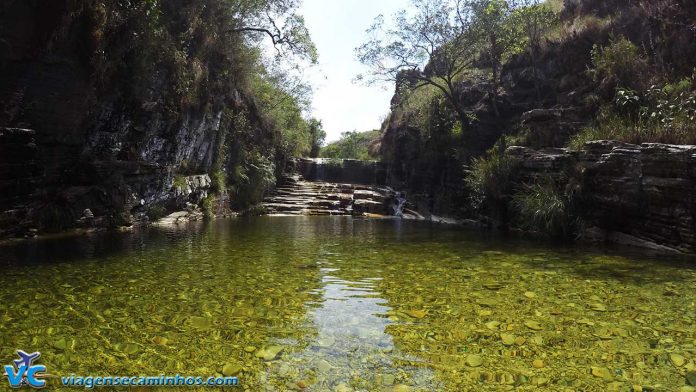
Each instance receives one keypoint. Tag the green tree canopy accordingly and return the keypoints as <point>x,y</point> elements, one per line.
<point>432,46</point>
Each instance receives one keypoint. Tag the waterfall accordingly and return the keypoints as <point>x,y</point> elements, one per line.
<point>398,208</point>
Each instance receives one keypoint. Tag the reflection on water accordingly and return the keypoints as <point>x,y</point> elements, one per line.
<point>336,304</point>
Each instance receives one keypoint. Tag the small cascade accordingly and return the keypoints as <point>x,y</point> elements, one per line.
<point>398,206</point>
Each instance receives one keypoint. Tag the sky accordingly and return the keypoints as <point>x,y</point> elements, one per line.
<point>337,27</point>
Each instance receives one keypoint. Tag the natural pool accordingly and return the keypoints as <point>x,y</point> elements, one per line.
<point>338,304</point>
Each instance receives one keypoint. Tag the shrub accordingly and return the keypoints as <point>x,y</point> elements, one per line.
<point>352,145</point>
<point>491,178</point>
<point>179,183</point>
<point>620,62</point>
<point>252,178</point>
<point>208,206</point>
<point>156,213</point>
<point>334,163</point>
<point>660,114</point>
<point>218,178</point>
<point>586,24</point>
<point>543,207</point>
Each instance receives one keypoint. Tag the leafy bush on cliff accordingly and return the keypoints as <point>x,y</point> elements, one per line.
<point>618,63</point>
<point>665,114</point>
<point>251,179</point>
<point>543,207</point>
<point>491,178</point>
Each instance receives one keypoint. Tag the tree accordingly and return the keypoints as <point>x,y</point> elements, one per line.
<point>352,145</point>
<point>536,18</point>
<point>317,136</point>
<point>277,20</point>
<point>502,37</point>
<point>434,46</point>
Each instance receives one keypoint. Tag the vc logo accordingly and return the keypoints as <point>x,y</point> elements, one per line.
<point>22,372</point>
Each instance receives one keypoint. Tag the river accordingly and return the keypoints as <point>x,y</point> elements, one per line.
<point>341,304</point>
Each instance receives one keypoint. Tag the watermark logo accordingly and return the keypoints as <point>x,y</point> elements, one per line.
<point>24,372</point>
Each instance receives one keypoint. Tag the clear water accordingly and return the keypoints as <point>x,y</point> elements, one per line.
<point>336,304</point>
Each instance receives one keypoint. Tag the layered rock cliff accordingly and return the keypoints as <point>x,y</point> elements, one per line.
<point>642,195</point>
<point>111,108</point>
<point>556,94</point>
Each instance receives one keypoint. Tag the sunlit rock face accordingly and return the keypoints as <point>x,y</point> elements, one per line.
<point>638,194</point>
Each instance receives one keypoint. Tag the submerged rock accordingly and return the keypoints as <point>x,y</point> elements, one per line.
<point>474,360</point>
<point>601,372</point>
<point>533,325</point>
<point>691,377</point>
<point>419,314</point>
<point>677,360</point>
<point>507,339</point>
<point>231,369</point>
<point>269,353</point>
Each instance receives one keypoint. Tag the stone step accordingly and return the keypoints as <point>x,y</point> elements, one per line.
<point>296,196</point>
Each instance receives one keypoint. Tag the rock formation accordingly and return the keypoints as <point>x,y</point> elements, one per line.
<point>112,136</point>
<point>641,195</point>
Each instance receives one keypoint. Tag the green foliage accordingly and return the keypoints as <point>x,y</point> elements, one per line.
<point>535,18</point>
<point>156,212</point>
<point>352,145</point>
<point>418,105</point>
<point>619,62</point>
<point>317,135</point>
<point>671,107</point>
<point>542,206</point>
<point>497,23</point>
<point>581,24</point>
<point>208,206</point>
<point>664,114</point>
<point>440,43</point>
<point>251,178</point>
<point>179,182</point>
<point>491,178</point>
<point>433,44</point>
<point>283,106</point>
<point>198,55</point>
<point>218,178</point>
<point>334,163</point>
<point>556,6</point>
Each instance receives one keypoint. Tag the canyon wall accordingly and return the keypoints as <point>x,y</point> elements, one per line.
<point>642,195</point>
<point>98,114</point>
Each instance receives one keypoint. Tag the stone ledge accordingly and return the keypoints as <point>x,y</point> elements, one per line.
<point>647,191</point>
